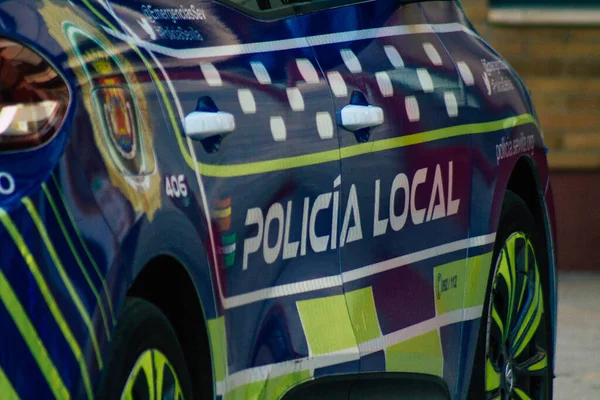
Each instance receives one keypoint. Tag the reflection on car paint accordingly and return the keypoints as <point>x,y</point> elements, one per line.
<point>329,256</point>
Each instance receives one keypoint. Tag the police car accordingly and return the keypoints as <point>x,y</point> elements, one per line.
<point>263,199</point>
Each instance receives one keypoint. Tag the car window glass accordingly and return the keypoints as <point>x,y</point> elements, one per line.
<point>287,6</point>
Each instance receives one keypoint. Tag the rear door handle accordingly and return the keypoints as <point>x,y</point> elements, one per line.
<point>200,125</point>
<point>357,117</point>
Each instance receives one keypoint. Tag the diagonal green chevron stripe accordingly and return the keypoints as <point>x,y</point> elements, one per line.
<point>78,260</point>
<point>32,339</point>
<point>85,248</point>
<point>26,328</point>
<point>6,388</point>
<point>64,276</point>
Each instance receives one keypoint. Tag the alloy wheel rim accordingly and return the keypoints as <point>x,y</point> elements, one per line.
<point>152,377</point>
<point>516,357</point>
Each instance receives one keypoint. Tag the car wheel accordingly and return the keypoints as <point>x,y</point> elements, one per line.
<point>514,349</point>
<point>146,360</point>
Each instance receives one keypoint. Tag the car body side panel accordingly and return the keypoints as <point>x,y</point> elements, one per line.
<point>87,215</point>
<point>269,207</point>
<point>412,303</point>
<point>494,90</point>
<point>82,223</point>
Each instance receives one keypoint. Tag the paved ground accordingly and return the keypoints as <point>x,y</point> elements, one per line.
<point>578,343</point>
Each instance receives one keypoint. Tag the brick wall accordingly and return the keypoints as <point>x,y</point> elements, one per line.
<point>561,68</point>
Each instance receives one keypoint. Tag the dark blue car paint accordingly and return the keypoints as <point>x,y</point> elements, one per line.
<point>121,236</point>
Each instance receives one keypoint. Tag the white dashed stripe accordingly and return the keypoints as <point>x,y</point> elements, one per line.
<point>260,72</point>
<point>228,249</point>
<point>425,80</point>
<point>451,104</point>
<point>264,372</point>
<point>211,75</point>
<point>385,84</point>
<point>324,125</point>
<point>351,61</point>
<point>338,86</point>
<point>246,99</point>
<point>307,70</point>
<point>432,53</point>
<point>412,109</point>
<point>295,99</point>
<point>278,129</point>
<point>271,371</point>
<point>465,73</point>
<point>284,290</point>
<point>401,261</point>
<point>336,280</point>
<point>296,43</point>
<point>449,318</point>
<point>394,57</point>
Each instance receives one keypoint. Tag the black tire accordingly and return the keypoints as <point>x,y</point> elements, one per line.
<point>142,327</point>
<point>515,219</point>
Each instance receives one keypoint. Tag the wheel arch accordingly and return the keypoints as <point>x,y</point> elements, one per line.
<point>526,182</point>
<point>166,282</point>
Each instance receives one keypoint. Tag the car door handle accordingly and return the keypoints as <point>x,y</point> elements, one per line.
<point>357,117</point>
<point>200,125</point>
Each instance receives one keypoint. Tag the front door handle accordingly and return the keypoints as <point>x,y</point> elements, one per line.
<point>357,117</point>
<point>200,125</point>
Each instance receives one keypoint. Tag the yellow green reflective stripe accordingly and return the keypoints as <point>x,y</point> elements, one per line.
<point>6,388</point>
<point>437,134</point>
<point>476,281</point>
<point>85,248</point>
<point>421,355</point>
<point>451,276</point>
<point>32,339</point>
<point>218,347</point>
<point>48,298</point>
<point>78,260</point>
<point>539,365</point>
<point>326,324</point>
<point>360,149</point>
<point>522,395</point>
<point>222,213</point>
<point>363,314</point>
<point>64,276</point>
<point>492,377</point>
<point>223,171</point>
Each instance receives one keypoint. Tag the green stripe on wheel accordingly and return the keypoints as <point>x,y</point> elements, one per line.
<point>522,395</point>
<point>492,377</point>
<point>541,364</point>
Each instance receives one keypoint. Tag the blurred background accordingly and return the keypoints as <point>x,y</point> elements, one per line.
<point>554,45</point>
